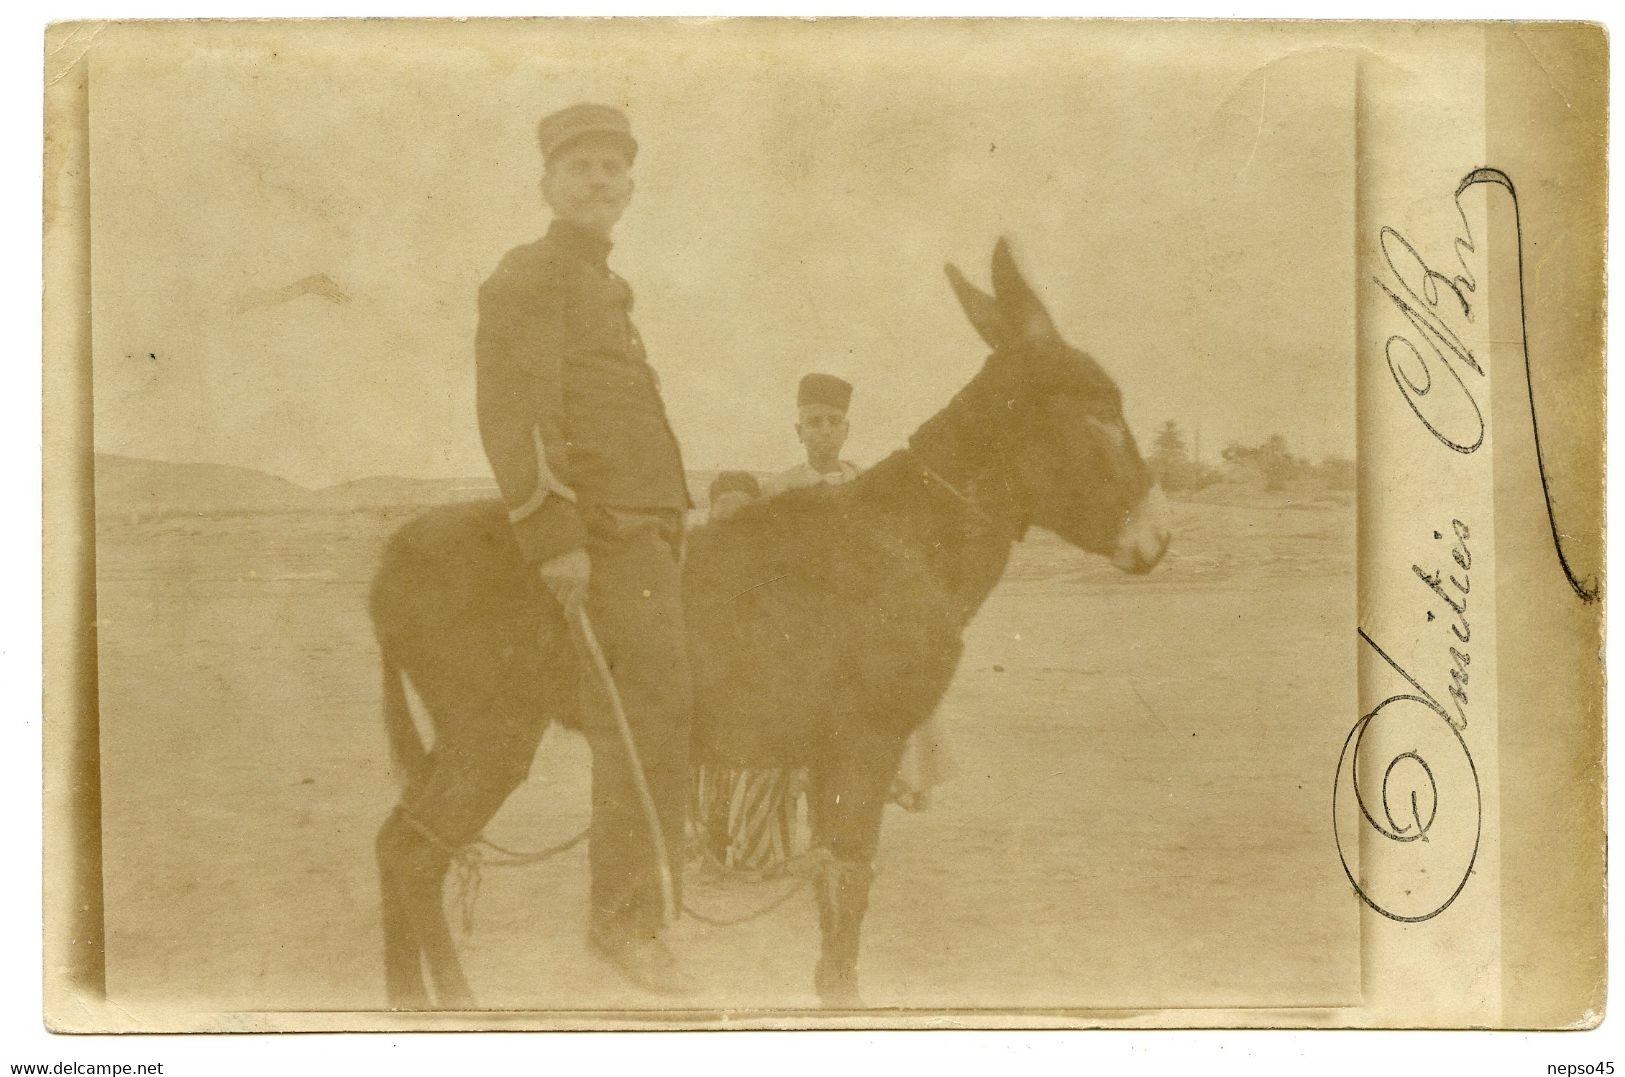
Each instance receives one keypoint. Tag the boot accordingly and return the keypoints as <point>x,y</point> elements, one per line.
<point>646,960</point>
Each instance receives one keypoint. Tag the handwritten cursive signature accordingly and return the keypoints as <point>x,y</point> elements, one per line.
<point>1405,769</point>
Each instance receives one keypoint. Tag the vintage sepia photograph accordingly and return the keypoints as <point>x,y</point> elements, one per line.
<point>796,521</point>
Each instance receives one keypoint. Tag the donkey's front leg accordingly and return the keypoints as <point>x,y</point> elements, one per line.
<point>847,802</point>
<point>843,898</point>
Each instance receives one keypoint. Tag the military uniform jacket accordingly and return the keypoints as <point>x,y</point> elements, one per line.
<point>569,409</point>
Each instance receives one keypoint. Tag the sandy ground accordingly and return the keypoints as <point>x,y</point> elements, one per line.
<point>1139,814</point>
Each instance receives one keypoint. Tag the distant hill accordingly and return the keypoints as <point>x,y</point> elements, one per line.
<point>388,492</point>
<point>129,488</point>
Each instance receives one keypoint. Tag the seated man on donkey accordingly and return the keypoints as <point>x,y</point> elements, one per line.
<point>572,420</point>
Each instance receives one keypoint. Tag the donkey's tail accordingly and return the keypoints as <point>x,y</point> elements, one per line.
<point>405,746</point>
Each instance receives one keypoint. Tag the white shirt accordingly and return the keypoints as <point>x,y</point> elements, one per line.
<point>804,474</point>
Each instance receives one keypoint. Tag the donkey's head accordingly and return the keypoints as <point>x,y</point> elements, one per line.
<point>1067,445</point>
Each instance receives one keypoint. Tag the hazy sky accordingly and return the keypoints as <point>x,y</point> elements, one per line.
<point>1186,214</point>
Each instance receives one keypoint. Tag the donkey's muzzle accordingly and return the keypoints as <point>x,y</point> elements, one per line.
<point>1145,534</point>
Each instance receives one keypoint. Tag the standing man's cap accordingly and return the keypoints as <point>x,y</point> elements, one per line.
<point>578,121</point>
<point>825,389</point>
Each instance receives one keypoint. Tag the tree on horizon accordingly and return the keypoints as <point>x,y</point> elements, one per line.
<point>1171,460</point>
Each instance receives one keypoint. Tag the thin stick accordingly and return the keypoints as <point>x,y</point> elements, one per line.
<point>657,834</point>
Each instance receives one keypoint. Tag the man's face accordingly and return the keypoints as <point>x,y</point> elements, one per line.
<point>822,429</point>
<point>589,183</point>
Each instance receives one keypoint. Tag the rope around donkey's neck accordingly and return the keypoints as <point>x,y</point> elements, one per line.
<point>796,886</point>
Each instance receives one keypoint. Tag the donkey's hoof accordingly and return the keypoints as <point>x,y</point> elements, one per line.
<point>836,990</point>
<point>457,1000</point>
<point>403,992</point>
<point>844,997</point>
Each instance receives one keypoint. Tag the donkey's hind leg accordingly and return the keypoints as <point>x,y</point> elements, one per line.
<point>403,953</point>
<point>400,869</point>
<point>403,985</point>
<point>462,790</point>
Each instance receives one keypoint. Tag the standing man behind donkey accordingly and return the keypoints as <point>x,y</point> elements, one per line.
<point>572,420</point>
<point>748,816</point>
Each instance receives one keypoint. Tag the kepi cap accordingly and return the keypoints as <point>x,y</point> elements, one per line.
<point>568,125</point>
<point>825,389</point>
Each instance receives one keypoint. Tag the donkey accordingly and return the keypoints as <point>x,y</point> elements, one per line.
<point>824,625</point>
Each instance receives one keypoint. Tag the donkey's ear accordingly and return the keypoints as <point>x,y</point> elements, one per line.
<point>1021,307</point>
<point>982,309</point>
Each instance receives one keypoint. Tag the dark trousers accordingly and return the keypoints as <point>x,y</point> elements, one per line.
<point>635,604</point>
